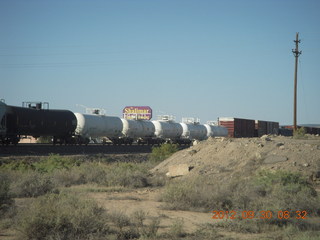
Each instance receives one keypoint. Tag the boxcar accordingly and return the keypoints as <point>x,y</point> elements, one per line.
<point>238,127</point>
<point>266,127</point>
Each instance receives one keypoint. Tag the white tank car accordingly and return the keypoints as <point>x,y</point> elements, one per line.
<point>166,128</point>
<point>95,126</point>
<point>137,129</point>
<point>216,131</point>
<point>193,130</point>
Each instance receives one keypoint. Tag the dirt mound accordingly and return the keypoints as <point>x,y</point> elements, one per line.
<point>229,158</point>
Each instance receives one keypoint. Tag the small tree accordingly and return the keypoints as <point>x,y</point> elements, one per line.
<point>163,152</point>
<point>299,132</point>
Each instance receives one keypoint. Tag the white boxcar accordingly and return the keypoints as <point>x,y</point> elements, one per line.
<point>95,126</point>
<point>137,129</point>
<point>216,131</point>
<point>167,129</point>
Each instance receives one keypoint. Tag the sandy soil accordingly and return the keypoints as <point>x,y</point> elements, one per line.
<point>147,199</point>
<point>231,158</point>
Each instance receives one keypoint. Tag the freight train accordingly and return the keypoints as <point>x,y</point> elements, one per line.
<point>66,127</point>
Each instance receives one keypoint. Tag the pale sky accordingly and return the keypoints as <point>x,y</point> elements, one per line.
<point>199,58</point>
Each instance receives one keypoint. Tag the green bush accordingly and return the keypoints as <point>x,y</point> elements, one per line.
<point>55,161</point>
<point>44,165</point>
<point>61,216</point>
<point>158,154</point>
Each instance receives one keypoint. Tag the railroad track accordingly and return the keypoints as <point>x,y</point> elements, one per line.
<point>46,149</point>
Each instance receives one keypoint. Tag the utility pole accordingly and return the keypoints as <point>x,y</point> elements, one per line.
<point>296,54</point>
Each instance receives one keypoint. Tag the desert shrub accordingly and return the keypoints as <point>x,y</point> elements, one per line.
<point>6,200</point>
<point>31,184</point>
<point>158,180</point>
<point>67,171</point>
<point>294,231</point>
<point>145,231</point>
<point>67,178</point>
<point>158,154</point>
<point>205,231</point>
<point>176,229</point>
<point>94,172</point>
<point>134,226</point>
<point>238,225</point>
<point>119,219</point>
<point>197,194</point>
<point>138,217</point>
<point>268,191</point>
<point>62,216</point>
<point>286,191</point>
<point>291,229</point>
<point>150,231</point>
<point>126,175</point>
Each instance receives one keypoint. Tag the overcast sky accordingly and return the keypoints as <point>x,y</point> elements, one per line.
<point>199,58</point>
